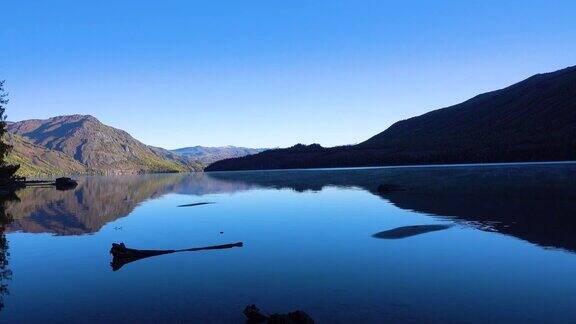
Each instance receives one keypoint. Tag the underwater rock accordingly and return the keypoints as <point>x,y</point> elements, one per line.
<point>65,183</point>
<point>407,231</point>
<point>254,315</point>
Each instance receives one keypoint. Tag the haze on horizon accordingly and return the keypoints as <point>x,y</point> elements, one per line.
<point>270,73</point>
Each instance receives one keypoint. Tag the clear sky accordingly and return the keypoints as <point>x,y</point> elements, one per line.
<point>270,73</point>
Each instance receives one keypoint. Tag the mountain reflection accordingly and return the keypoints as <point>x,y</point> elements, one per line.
<point>99,200</point>
<point>536,203</point>
<point>545,222</point>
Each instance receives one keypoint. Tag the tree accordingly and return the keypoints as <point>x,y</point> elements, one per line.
<point>5,171</point>
<point>4,147</point>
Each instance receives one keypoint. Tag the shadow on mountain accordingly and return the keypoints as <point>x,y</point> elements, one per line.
<point>533,202</point>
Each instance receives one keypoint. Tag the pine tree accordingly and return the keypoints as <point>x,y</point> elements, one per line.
<point>4,147</point>
<point>5,272</point>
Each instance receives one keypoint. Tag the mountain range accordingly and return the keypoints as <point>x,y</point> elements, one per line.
<point>81,144</point>
<point>533,120</point>
<point>207,155</point>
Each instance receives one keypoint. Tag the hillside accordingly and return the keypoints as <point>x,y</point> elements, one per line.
<point>188,161</point>
<point>39,161</point>
<point>533,120</point>
<point>208,155</point>
<point>97,146</point>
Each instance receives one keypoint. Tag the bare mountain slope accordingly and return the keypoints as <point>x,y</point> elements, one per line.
<point>100,147</point>
<point>39,161</point>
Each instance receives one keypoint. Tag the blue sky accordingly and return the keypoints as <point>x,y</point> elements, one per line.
<point>270,73</point>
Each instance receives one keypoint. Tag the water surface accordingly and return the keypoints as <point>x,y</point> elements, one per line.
<point>461,244</point>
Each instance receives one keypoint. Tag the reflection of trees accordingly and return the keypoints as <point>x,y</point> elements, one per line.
<point>5,273</point>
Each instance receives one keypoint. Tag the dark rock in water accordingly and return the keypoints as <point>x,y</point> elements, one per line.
<point>254,315</point>
<point>407,231</point>
<point>196,204</point>
<point>65,183</point>
<point>387,188</point>
<point>297,317</point>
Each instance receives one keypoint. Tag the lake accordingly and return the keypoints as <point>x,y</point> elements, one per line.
<point>452,244</point>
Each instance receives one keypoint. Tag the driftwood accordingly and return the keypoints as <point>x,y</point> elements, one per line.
<point>254,315</point>
<point>123,255</point>
<point>196,204</point>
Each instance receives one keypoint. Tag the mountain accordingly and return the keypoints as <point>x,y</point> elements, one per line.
<point>208,155</point>
<point>189,161</point>
<point>101,148</point>
<point>533,120</point>
<point>36,160</point>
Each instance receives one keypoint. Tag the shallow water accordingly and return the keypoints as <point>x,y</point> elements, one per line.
<point>324,241</point>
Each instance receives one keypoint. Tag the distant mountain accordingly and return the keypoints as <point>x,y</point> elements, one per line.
<point>534,120</point>
<point>100,148</point>
<point>208,155</point>
<point>183,159</point>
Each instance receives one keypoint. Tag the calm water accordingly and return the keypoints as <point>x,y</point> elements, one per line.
<point>323,241</point>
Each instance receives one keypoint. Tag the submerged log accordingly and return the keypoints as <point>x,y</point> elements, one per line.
<point>123,255</point>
